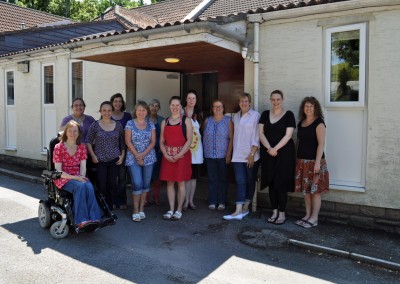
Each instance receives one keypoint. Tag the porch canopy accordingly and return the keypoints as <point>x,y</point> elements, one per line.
<point>200,47</point>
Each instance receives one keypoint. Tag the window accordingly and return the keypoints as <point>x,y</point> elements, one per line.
<point>48,84</point>
<point>76,80</point>
<point>345,66</point>
<point>10,88</point>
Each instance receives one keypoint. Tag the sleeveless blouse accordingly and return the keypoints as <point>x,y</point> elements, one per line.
<point>308,142</point>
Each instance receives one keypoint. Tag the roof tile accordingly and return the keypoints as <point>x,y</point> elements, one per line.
<point>12,16</point>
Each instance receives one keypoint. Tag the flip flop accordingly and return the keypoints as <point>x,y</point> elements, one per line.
<point>272,220</point>
<point>307,224</point>
<point>300,222</point>
<point>279,221</point>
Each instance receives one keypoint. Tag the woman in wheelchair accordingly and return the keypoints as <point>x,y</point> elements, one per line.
<point>69,157</point>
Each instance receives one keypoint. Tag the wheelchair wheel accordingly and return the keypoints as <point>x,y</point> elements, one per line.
<point>44,215</point>
<point>57,235</point>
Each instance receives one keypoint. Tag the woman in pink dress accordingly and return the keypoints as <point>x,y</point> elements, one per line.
<point>175,140</point>
<point>69,157</point>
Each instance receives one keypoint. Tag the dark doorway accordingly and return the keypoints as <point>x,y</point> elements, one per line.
<point>206,86</point>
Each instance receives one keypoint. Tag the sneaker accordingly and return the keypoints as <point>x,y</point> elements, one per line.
<point>142,215</point>
<point>221,207</point>
<point>211,207</point>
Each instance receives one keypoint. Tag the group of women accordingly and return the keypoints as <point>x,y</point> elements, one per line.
<point>154,149</point>
<point>267,140</point>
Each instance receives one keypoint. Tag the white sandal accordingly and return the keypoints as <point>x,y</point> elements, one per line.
<point>142,215</point>
<point>168,215</point>
<point>177,215</point>
<point>136,217</point>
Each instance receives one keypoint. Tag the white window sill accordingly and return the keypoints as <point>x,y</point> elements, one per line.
<point>11,149</point>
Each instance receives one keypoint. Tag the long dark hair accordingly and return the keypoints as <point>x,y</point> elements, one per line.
<point>197,115</point>
<point>118,95</point>
<point>315,103</point>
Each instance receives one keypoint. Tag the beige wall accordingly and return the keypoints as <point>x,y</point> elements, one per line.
<point>100,82</point>
<point>291,59</point>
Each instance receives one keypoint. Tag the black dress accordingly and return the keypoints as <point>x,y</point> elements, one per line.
<point>278,172</point>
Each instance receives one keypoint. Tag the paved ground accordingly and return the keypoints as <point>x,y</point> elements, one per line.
<point>200,248</point>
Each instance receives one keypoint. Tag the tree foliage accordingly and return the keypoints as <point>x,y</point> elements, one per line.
<point>78,10</point>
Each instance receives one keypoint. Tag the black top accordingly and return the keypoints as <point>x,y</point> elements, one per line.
<point>274,132</point>
<point>308,142</point>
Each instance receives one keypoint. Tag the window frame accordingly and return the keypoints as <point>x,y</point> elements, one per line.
<point>72,61</point>
<point>362,27</point>
<point>6,87</point>
<point>44,85</point>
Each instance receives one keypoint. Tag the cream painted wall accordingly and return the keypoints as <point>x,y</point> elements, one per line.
<point>100,82</point>
<point>291,59</point>
<point>383,164</point>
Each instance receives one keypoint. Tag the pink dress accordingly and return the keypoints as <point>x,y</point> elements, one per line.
<point>69,164</point>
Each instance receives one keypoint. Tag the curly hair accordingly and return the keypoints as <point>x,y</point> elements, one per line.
<point>315,103</point>
<point>118,95</point>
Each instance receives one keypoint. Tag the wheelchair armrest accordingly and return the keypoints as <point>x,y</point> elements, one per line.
<point>51,174</point>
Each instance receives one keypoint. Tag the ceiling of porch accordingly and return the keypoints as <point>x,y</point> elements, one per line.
<point>194,58</point>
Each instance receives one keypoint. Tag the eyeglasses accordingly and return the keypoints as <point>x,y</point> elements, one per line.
<point>218,106</point>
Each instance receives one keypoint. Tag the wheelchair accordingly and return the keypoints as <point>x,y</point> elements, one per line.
<point>55,211</point>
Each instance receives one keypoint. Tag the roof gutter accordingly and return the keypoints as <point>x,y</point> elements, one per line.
<point>323,9</point>
<point>213,27</point>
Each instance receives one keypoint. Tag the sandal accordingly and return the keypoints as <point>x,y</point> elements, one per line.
<point>307,224</point>
<point>221,207</point>
<point>193,207</point>
<point>300,222</point>
<point>272,220</point>
<point>168,215</point>
<point>142,215</point>
<point>136,217</point>
<point>177,215</point>
<point>279,221</point>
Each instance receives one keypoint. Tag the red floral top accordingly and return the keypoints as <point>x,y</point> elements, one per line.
<point>69,164</point>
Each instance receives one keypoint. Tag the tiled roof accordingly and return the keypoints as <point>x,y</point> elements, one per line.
<point>170,11</point>
<point>129,17</point>
<point>229,7</point>
<point>12,16</point>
